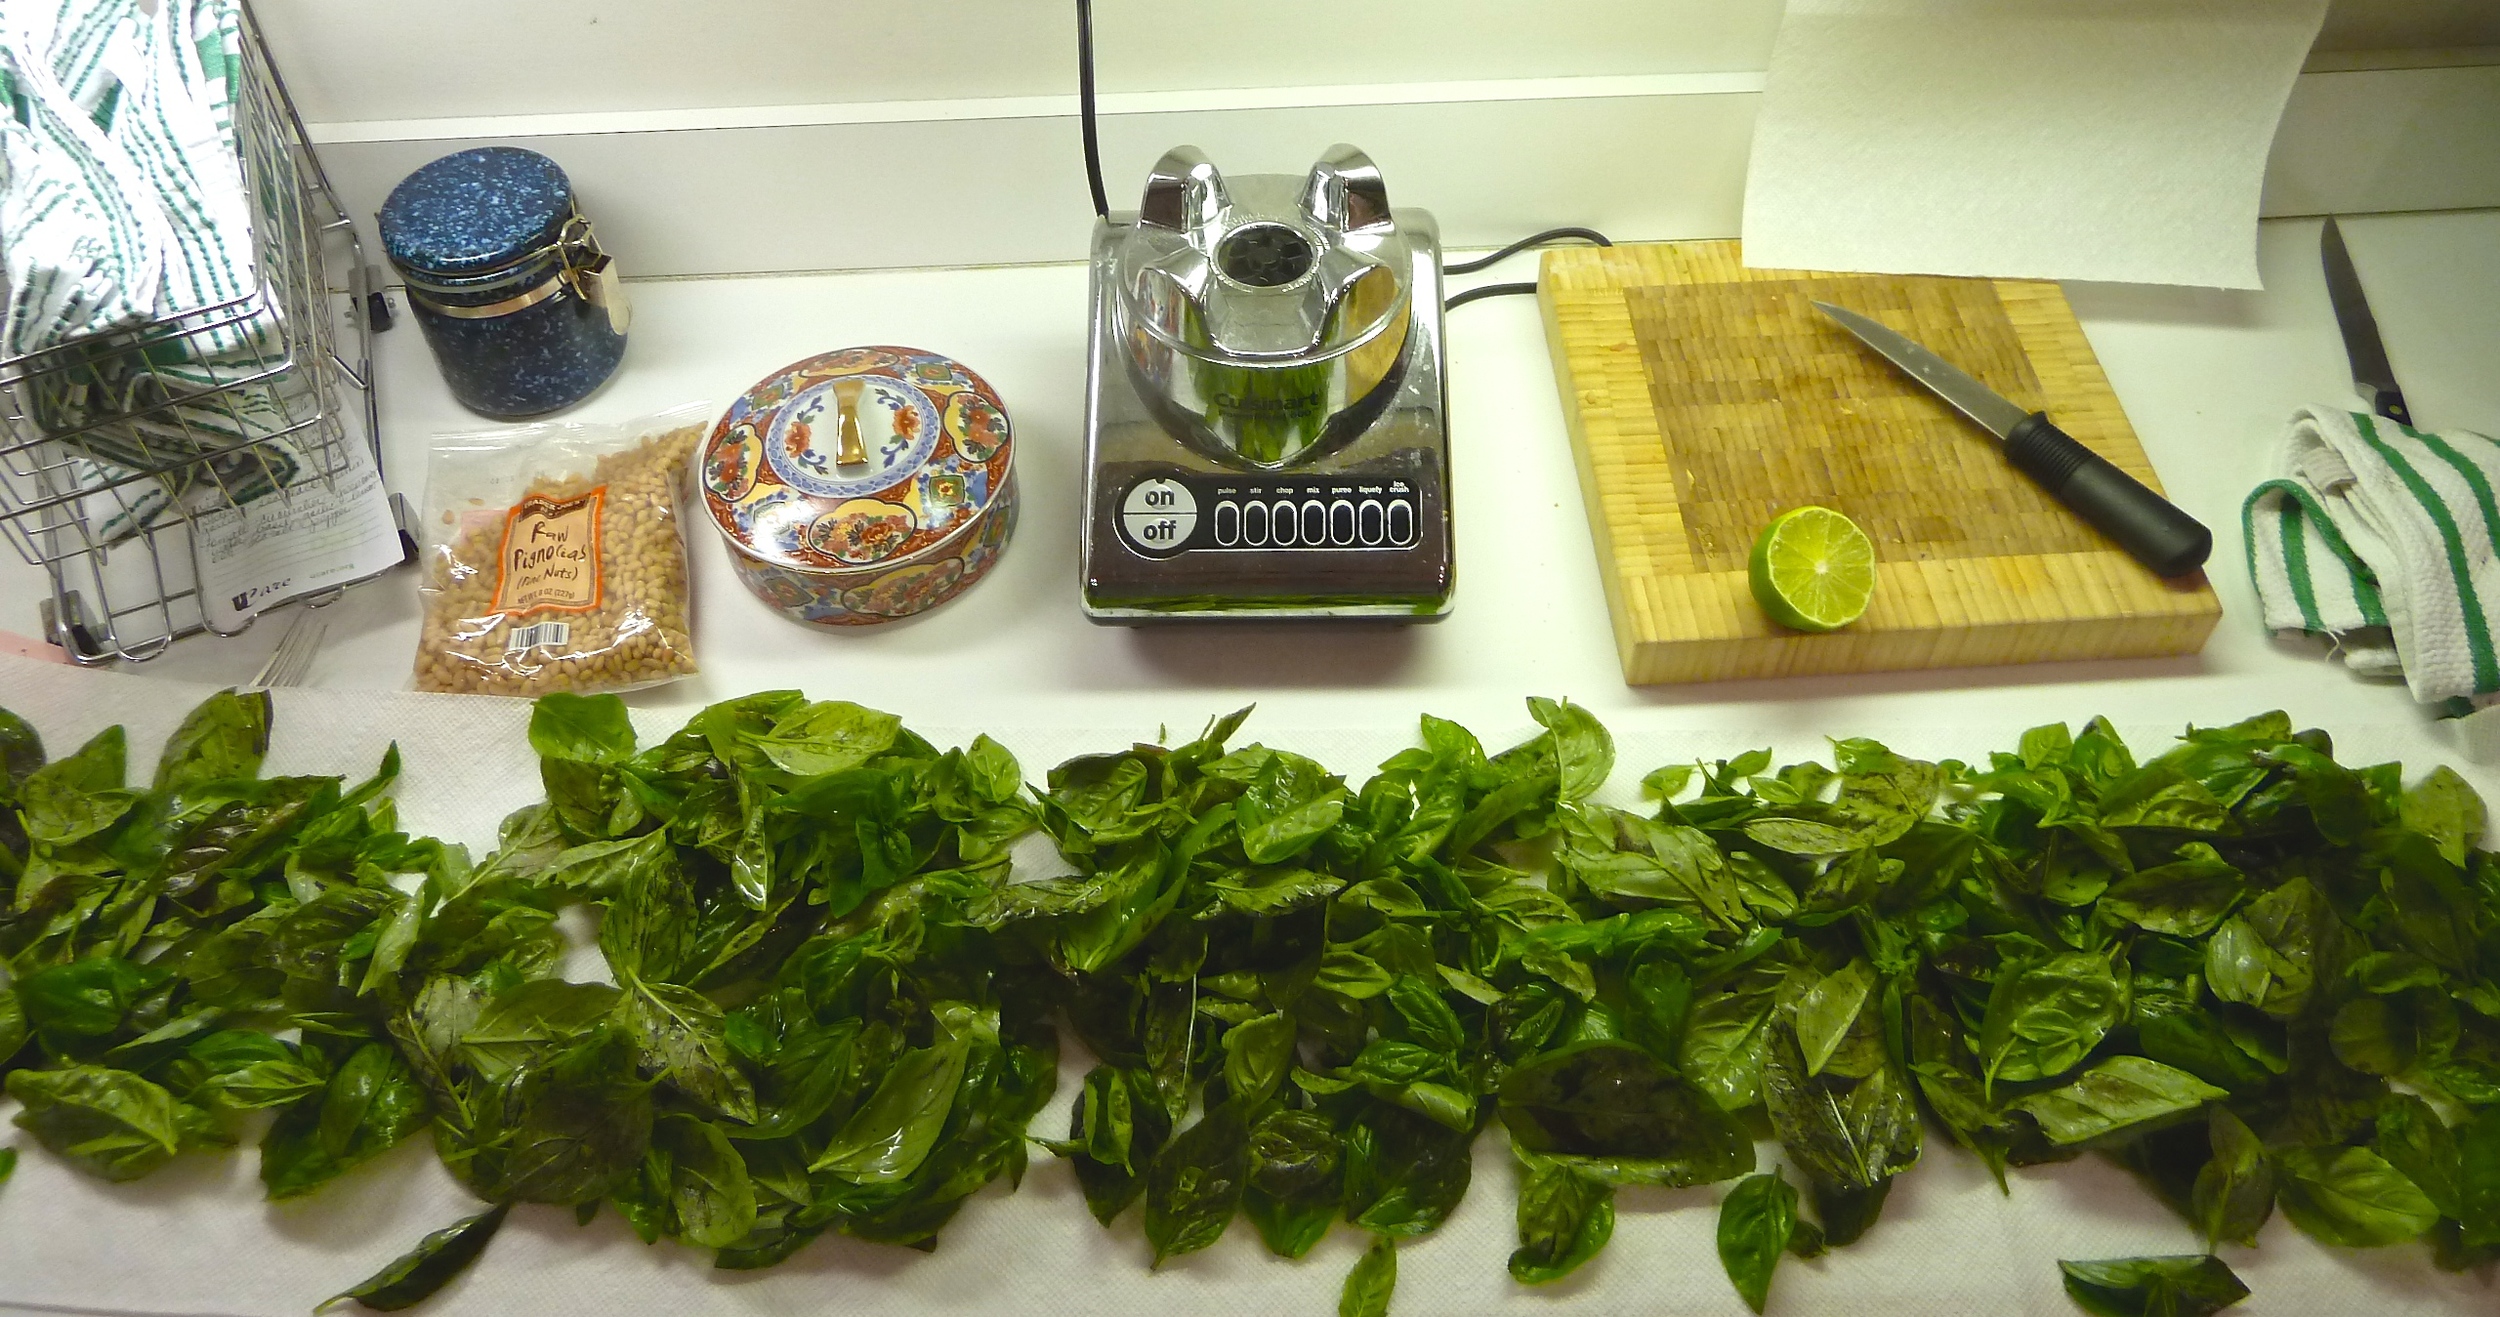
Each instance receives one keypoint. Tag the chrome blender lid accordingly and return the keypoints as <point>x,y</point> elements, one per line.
<point>1268,269</point>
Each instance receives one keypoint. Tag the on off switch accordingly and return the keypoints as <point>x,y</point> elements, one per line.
<point>1159,516</point>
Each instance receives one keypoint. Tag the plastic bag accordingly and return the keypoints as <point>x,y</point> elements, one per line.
<point>556,557</point>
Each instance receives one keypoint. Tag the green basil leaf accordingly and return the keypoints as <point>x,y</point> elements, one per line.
<point>1257,1054</point>
<point>1756,1221</point>
<point>1850,1134</point>
<point>224,737</point>
<point>109,1123</point>
<point>1724,1040</point>
<point>1371,1282</point>
<point>589,729</point>
<point>708,1182</point>
<point>84,999</point>
<point>2350,1197</point>
<point>1271,890</point>
<point>2446,809</point>
<point>1584,754</point>
<point>1286,807</point>
<point>2412,1138</point>
<point>1565,1218</point>
<point>1828,1009</point>
<point>70,800</point>
<point>892,1133</point>
<point>2124,1094</point>
<point>2478,1180</point>
<point>682,1035</point>
<point>531,1019</point>
<point>830,737</point>
<point>418,1274</point>
<point>1293,1190</point>
<point>2044,1017</point>
<point>2185,898</point>
<point>2191,1285</point>
<point>1615,1102</point>
<point>2234,1193</point>
<point>1195,1184</point>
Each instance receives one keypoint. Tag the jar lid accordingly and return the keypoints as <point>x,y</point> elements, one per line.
<point>475,211</point>
<point>925,451</point>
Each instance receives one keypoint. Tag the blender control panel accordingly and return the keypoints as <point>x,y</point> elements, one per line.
<point>1165,514</point>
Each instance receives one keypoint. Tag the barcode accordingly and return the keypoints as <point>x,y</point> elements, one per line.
<point>543,633</point>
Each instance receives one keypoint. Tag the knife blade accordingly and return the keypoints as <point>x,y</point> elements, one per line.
<point>2149,527</point>
<point>2371,372</point>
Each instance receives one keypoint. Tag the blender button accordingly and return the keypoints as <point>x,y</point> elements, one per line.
<point>1160,498</point>
<point>1254,525</point>
<point>1341,523</point>
<point>1227,524</point>
<point>1284,528</point>
<point>1315,522</point>
<point>1367,519</point>
<point>1401,522</point>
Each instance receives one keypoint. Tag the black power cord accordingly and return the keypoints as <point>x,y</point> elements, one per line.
<point>1457,300</point>
<point>1102,202</point>
<point>1085,104</point>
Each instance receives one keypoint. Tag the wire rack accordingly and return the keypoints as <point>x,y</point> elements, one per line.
<point>114,447</point>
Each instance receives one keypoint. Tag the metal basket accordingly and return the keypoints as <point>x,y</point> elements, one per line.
<point>114,447</point>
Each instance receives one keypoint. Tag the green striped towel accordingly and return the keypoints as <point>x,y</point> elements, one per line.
<point>2380,537</point>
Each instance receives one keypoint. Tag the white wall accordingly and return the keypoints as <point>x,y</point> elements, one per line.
<point>742,136</point>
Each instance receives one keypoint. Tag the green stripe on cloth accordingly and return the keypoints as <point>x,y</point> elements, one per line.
<point>2469,604</point>
<point>2296,566</point>
<point>2465,468</point>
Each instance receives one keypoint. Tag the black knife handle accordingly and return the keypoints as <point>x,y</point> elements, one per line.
<point>2149,527</point>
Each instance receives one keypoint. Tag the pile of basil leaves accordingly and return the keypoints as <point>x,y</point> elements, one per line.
<point>2259,978</point>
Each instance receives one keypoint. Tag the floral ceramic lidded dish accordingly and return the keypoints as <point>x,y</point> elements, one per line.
<point>862,485</point>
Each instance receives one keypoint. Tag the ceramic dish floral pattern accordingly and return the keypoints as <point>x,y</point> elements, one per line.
<point>819,538</point>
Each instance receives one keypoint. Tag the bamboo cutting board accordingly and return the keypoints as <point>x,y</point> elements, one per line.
<point>1705,398</point>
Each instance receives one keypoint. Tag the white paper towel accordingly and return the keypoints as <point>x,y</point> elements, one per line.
<point>2119,140</point>
<point>196,1240</point>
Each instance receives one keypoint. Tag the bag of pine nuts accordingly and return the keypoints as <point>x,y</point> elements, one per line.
<point>555,557</point>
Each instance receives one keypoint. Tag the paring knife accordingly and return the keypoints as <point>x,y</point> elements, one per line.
<point>2149,527</point>
<point>2371,373</point>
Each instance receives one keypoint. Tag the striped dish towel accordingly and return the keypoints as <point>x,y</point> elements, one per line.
<point>2380,538</point>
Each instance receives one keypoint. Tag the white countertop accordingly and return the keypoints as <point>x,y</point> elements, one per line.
<point>2207,377</point>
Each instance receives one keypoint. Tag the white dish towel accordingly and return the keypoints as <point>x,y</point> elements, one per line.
<point>2381,537</point>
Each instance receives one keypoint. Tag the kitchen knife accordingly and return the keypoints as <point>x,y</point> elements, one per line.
<point>2371,373</point>
<point>2149,527</point>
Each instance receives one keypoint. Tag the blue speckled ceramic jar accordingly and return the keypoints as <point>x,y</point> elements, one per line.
<point>520,305</point>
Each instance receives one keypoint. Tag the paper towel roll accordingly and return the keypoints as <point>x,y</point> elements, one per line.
<point>2118,140</point>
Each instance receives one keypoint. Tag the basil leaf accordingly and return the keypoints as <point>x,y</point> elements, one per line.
<point>8,1163</point>
<point>892,1133</point>
<point>831,737</point>
<point>84,999</point>
<point>708,1183</point>
<point>1725,1039</point>
<point>1404,1173</point>
<point>2191,1285</point>
<point>2124,1094</point>
<point>2234,1193</point>
<point>418,1274</point>
<point>2043,1018</point>
<point>2478,1180</point>
<point>2266,956</point>
<point>1294,1184</point>
<point>1371,1282</point>
<point>1286,807</point>
<point>1827,1011</point>
<point>2350,1197</point>
<point>1756,1221</point>
<point>224,737</point>
<point>1614,1103</point>
<point>1196,1183</point>
<point>589,729</point>
<point>109,1123</point>
<point>682,1035</point>
<point>2446,809</point>
<point>1565,1217</point>
<point>1257,1053</point>
<point>2185,898</point>
<point>372,1102</point>
<point>1849,1134</point>
<point>1584,754</point>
